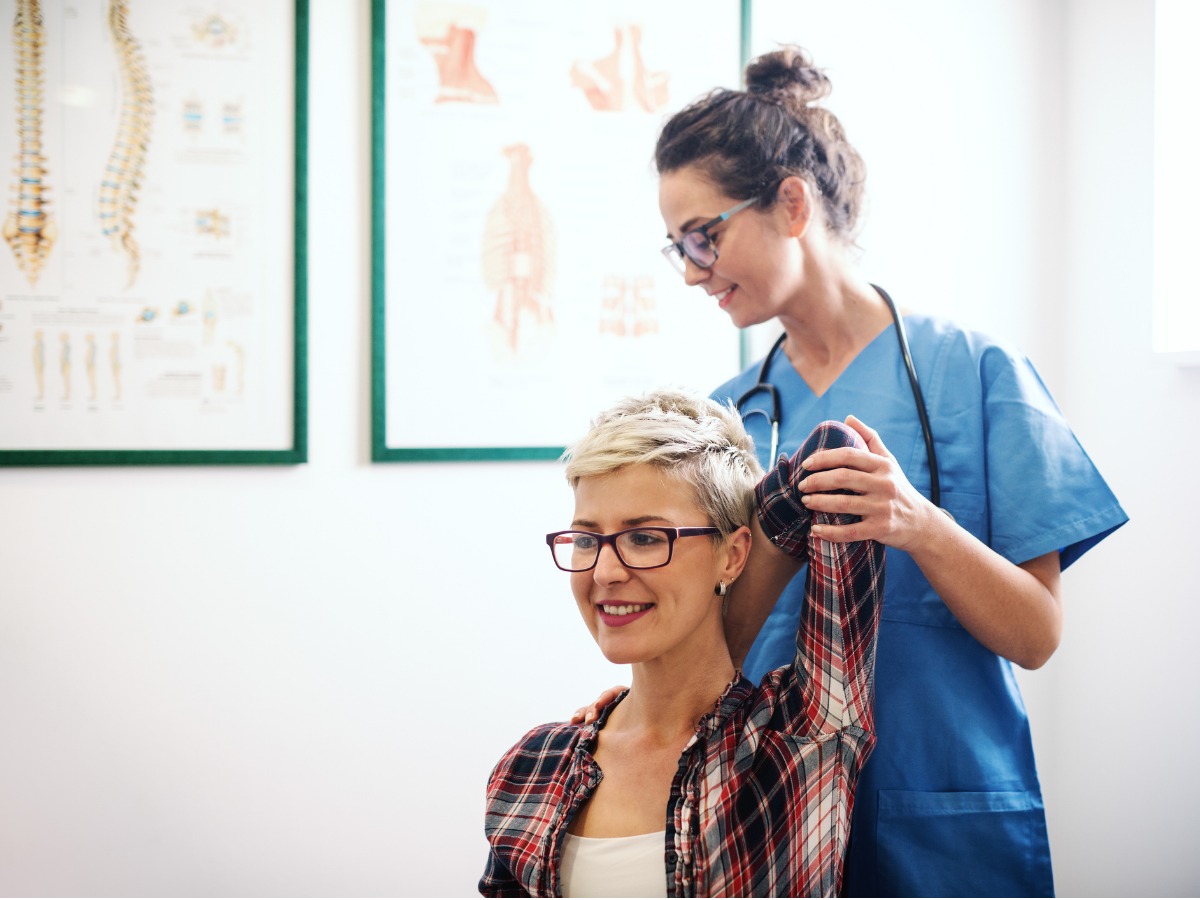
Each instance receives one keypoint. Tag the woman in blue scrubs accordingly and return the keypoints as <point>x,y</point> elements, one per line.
<point>760,192</point>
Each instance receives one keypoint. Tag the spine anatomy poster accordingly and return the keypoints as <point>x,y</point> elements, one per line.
<point>147,295</point>
<point>525,288</point>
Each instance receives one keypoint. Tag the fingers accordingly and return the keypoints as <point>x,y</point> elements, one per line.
<point>869,435</point>
<point>586,715</point>
<point>842,457</point>
<point>843,534</point>
<point>833,480</point>
<point>849,456</point>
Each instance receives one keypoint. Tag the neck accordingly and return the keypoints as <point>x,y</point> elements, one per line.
<point>668,697</point>
<point>833,315</point>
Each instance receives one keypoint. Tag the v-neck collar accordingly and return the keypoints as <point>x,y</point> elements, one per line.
<point>784,374</point>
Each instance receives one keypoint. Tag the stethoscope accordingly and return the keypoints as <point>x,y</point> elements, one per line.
<point>764,386</point>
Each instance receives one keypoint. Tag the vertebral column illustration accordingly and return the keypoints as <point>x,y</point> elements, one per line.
<point>123,175</point>
<point>518,250</point>
<point>29,229</point>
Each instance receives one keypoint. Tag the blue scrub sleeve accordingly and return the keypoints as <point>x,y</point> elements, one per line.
<point>1044,491</point>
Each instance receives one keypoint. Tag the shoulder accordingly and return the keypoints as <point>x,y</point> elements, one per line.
<point>735,387</point>
<point>946,336</point>
<point>950,352</point>
<point>932,334</point>
<point>525,788</point>
<point>539,754</point>
<point>1041,492</point>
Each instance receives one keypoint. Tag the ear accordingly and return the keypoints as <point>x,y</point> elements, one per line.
<point>737,551</point>
<point>795,198</point>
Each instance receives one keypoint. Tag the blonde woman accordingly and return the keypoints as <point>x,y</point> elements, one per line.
<point>695,781</point>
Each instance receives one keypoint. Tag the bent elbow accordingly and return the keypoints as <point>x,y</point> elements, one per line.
<point>1038,652</point>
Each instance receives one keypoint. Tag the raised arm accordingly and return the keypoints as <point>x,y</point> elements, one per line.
<point>1013,610</point>
<point>753,595</point>
<point>835,643</point>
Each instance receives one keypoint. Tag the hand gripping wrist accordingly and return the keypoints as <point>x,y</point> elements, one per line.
<point>785,520</point>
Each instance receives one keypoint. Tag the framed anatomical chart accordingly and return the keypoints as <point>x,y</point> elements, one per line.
<point>152,267</point>
<point>518,286</point>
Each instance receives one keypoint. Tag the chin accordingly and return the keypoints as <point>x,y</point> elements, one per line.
<point>621,653</point>
<point>620,657</point>
<point>746,319</point>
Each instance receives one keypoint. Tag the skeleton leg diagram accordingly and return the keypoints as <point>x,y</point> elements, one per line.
<point>620,80</point>
<point>90,363</point>
<point>518,251</point>
<point>114,362</point>
<point>239,365</point>
<point>122,176</point>
<point>29,230</point>
<point>64,363</point>
<point>39,364</point>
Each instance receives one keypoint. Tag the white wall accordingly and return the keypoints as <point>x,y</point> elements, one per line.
<point>1124,796</point>
<point>287,681</point>
<point>279,681</point>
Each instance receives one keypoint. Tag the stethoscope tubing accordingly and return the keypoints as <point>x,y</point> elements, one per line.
<point>764,385</point>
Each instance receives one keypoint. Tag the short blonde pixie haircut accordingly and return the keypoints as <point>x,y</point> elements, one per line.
<point>690,437</point>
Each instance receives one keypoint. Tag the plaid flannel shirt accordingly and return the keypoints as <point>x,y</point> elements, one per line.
<point>760,804</point>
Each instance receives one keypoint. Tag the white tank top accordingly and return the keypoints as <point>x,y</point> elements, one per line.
<point>614,867</point>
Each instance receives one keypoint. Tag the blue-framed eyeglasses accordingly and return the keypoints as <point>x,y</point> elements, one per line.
<point>697,244</point>
<point>648,547</point>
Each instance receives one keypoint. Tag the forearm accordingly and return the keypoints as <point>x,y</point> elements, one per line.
<point>843,594</point>
<point>1014,611</point>
<point>782,540</point>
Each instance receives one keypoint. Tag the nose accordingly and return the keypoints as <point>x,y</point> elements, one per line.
<point>608,567</point>
<point>694,274</point>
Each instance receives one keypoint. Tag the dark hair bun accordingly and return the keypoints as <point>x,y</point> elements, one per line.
<point>748,142</point>
<point>789,74</point>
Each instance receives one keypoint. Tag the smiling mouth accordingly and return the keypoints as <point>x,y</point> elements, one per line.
<point>722,296</point>
<point>623,609</point>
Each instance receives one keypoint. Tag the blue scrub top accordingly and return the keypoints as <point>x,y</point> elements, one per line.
<point>949,802</point>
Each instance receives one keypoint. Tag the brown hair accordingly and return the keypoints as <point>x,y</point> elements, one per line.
<point>747,142</point>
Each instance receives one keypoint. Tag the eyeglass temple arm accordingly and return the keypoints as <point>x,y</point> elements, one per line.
<point>737,209</point>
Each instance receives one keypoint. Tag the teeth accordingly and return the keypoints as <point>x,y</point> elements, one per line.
<point>623,610</point>
<point>721,295</point>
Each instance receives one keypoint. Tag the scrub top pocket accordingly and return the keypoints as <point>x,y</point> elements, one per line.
<point>921,836</point>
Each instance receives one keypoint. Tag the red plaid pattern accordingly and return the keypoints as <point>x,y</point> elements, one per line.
<point>760,804</point>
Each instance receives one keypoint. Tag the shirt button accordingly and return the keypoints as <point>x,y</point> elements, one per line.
<point>672,856</point>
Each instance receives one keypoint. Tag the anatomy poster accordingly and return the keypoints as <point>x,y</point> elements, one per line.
<point>148,298</point>
<point>520,286</point>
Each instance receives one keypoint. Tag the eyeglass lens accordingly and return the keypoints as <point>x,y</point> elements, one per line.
<point>699,248</point>
<point>644,548</point>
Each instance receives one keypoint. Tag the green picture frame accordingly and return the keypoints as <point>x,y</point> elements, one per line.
<point>436,389</point>
<point>183,47</point>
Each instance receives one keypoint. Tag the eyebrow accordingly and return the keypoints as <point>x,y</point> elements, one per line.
<point>628,523</point>
<point>693,223</point>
